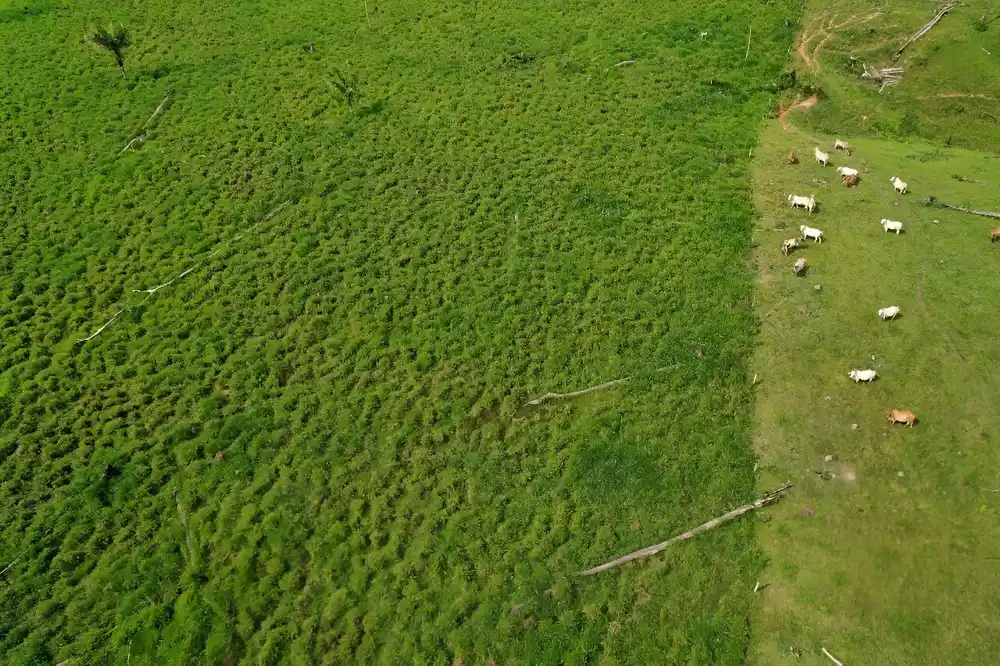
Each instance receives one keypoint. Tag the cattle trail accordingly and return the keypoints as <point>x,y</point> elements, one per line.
<point>807,103</point>
<point>828,31</point>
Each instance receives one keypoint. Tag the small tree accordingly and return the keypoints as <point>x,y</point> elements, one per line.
<point>346,87</point>
<point>113,39</point>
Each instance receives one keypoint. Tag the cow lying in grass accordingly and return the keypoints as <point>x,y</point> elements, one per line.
<point>995,235</point>
<point>843,145</point>
<point>789,245</point>
<point>862,375</point>
<point>904,416</point>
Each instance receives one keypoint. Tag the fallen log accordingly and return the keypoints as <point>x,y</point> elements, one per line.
<point>715,522</point>
<point>141,136</point>
<point>932,201</point>
<point>927,28</point>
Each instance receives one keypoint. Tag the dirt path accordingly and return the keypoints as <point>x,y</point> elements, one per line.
<point>807,103</point>
<point>828,31</point>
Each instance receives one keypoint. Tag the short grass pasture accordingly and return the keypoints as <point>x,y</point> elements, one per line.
<point>886,553</point>
<point>301,436</point>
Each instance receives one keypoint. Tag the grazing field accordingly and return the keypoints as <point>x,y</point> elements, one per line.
<point>950,90</point>
<point>883,553</point>
<point>308,444</point>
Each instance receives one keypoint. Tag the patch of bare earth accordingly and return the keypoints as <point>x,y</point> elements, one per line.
<point>783,111</point>
<point>824,30</point>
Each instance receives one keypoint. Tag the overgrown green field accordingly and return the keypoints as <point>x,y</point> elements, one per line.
<point>882,554</point>
<point>311,447</point>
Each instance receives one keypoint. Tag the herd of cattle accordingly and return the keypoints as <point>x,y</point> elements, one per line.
<point>851,177</point>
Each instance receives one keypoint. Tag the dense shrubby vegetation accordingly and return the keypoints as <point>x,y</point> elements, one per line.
<point>312,443</point>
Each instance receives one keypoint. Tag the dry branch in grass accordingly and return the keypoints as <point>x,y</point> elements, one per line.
<point>13,562</point>
<point>141,136</point>
<point>712,524</point>
<point>932,201</point>
<point>832,658</point>
<point>887,76</point>
<point>620,64</point>
<point>927,28</point>
<point>98,331</point>
<point>574,394</point>
<point>152,290</point>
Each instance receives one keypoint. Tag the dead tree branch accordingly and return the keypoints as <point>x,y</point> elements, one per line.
<point>623,63</point>
<point>153,290</point>
<point>98,331</point>
<point>574,394</point>
<point>725,518</point>
<point>14,561</point>
<point>832,658</point>
<point>887,76</point>
<point>927,28</point>
<point>932,201</point>
<point>141,136</point>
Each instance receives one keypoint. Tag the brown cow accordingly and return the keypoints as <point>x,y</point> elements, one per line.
<point>793,158</point>
<point>850,180</point>
<point>995,235</point>
<point>904,416</point>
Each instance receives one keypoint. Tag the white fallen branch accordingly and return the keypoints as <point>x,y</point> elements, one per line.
<point>13,562</point>
<point>832,658</point>
<point>715,522</point>
<point>574,394</point>
<point>98,331</point>
<point>141,136</point>
<point>623,63</point>
<point>153,290</point>
<point>887,76</point>
<point>747,56</point>
<point>927,28</point>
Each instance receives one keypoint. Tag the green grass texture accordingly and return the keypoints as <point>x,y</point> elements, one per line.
<point>310,446</point>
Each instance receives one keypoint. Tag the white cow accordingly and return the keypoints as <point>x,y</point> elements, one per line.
<point>842,145</point>
<point>898,185</point>
<point>789,245</point>
<point>862,375</point>
<point>892,225</point>
<point>821,157</point>
<point>800,266</point>
<point>847,171</point>
<point>809,203</point>
<point>810,232</point>
<point>888,313</point>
